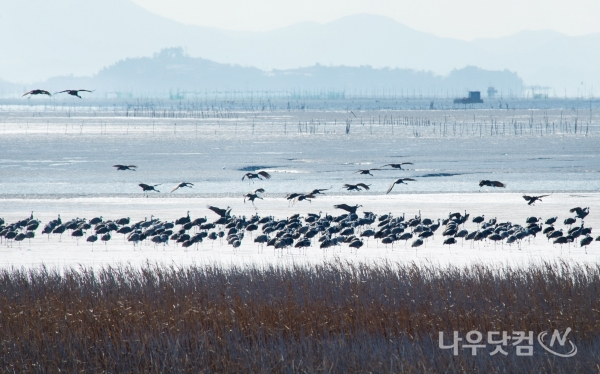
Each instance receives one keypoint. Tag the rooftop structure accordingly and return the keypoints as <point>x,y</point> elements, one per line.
<point>474,98</point>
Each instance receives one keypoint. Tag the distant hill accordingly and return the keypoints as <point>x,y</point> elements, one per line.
<point>173,71</point>
<point>63,37</point>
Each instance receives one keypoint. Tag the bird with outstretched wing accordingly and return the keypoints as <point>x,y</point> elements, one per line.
<point>399,181</point>
<point>220,211</point>
<point>532,199</point>
<point>356,187</point>
<point>489,183</point>
<point>37,92</point>
<point>398,166</point>
<point>258,175</point>
<point>148,187</point>
<point>365,171</point>
<point>125,167</point>
<point>347,208</point>
<point>73,92</point>
<point>182,185</point>
<point>317,191</point>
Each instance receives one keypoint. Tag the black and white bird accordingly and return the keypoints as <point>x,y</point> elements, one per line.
<point>356,187</point>
<point>347,208</point>
<point>580,212</point>
<point>317,191</point>
<point>254,195</point>
<point>37,92</point>
<point>125,167</point>
<point>184,220</point>
<point>182,185</point>
<point>302,197</point>
<point>489,183</point>
<point>532,199</point>
<point>399,181</point>
<point>92,239</point>
<point>147,188</point>
<point>398,166</point>
<point>365,171</point>
<point>258,175</point>
<point>73,92</point>
<point>221,212</point>
<point>585,242</point>
<point>291,196</point>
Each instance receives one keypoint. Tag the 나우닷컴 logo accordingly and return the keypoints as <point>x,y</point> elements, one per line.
<point>561,341</point>
<point>522,342</point>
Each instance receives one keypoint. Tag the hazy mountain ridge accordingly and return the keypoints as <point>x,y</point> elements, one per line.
<point>172,70</point>
<point>56,43</point>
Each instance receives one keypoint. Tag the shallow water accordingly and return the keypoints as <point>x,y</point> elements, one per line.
<point>67,156</point>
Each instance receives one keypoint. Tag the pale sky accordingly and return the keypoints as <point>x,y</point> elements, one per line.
<point>460,19</point>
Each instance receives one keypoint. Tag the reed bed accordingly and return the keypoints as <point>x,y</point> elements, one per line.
<point>334,317</point>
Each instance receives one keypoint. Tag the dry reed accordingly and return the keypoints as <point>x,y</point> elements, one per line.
<point>334,317</point>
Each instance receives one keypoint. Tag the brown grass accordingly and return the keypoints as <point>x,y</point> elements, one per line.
<point>325,318</point>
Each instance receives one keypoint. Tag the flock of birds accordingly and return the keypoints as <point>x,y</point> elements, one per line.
<point>301,231</point>
<point>297,196</point>
<point>305,231</point>
<point>44,92</point>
